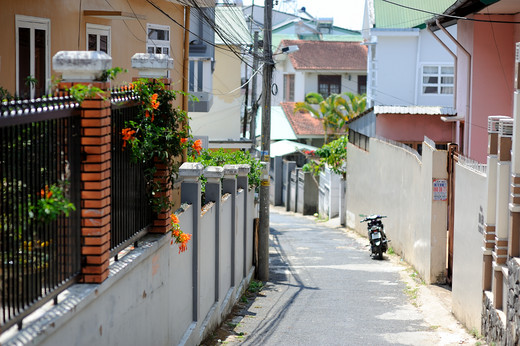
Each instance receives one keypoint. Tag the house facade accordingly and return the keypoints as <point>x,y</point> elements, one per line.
<point>485,68</point>
<point>410,75</point>
<point>33,34</point>
<point>222,121</point>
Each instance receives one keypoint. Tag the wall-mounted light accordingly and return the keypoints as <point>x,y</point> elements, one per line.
<point>290,49</point>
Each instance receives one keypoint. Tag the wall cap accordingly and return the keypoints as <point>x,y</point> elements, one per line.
<point>243,169</point>
<point>152,65</point>
<point>214,172</point>
<point>230,170</point>
<point>81,65</point>
<point>191,170</point>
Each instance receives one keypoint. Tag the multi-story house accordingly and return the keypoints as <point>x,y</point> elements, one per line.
<point>411,76</point>
<point>221,122</point>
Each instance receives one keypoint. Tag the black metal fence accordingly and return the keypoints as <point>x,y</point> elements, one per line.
<point>131,210</point>
<point>39,176</point>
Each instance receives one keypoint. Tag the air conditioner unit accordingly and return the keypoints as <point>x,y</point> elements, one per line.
<point>506,127</point>
<point>493,121</point>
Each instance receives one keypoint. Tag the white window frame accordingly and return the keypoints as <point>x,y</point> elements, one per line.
<point>98,30</point>
<point>439,85</point>
<point>158,43</point>
<point>33,23</point>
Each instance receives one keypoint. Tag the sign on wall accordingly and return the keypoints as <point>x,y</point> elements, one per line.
<point>440,190</point>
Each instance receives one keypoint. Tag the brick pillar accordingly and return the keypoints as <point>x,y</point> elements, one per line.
<point>84,68</point>
<point>154,67</point>
<point>213,176</point>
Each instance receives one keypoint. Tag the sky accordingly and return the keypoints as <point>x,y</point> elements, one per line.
<point>346,13</point>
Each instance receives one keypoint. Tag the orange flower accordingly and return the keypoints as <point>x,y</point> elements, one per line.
<point>131,86</point>
<point>197,146</point>
<point>155,104</point>
<point>154,97</point>
<point>174,218</point>
<point>45,193</point>
<point>147,114</point>
<point>184,140</point>
<point>127,135</point>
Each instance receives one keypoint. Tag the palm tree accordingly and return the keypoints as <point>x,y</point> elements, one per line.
<point>335,110</point>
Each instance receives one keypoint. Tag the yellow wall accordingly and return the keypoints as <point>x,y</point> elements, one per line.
<point>68,32</point>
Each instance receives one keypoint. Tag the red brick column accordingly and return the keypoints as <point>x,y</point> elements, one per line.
<point>95,185</point>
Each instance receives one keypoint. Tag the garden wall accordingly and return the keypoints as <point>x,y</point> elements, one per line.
<point>395,181</point>
<point>154,294</point>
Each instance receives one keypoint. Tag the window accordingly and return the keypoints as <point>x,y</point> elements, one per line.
<point>437,80</point>
<point>158,40</point>
<point>98,38</point>
<point>32,55</point>
<point>200,75</point>
<point>288,88</point>
<point>329,85</point>
<point>361,85</point>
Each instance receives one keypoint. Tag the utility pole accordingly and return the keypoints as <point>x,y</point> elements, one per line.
<point>263,236</point>
<point>254,103</point>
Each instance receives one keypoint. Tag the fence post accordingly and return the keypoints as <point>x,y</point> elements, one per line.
<point>229,185</point>
<point>214,194</point>
<point>154,67</point>
<point>243,183</point>
<point>502,216</point>
<point>291,165</point>
<point>190,172</point>
<point>83,68</point>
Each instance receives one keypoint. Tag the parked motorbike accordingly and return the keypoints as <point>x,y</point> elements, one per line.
<point>376,235</point>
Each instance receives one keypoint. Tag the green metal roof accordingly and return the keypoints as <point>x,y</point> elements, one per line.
<point>391,16</point>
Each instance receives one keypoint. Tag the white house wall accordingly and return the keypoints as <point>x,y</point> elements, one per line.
<point>396,73</point>
<point>399,57</point>
<point>432,53</point>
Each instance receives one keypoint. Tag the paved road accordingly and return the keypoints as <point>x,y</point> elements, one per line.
<point>325,289</point>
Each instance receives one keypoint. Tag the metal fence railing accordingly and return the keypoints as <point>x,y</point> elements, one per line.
<point>39,169</point>
<point>131,210</point>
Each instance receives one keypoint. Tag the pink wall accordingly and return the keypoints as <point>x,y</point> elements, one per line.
<point>493,56</point>
<point>406,127</point>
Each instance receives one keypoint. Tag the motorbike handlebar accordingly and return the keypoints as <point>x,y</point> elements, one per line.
<point>373,217</point>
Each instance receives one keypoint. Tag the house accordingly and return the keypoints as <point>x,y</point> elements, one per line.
<point>485,67</point>
<point>33,34</point>
<point>222,121</point>
<point>409,69</point>
<point>95,276</point>
<point>326,67</point>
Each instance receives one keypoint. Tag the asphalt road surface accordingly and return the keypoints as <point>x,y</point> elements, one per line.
<point>325,289</point>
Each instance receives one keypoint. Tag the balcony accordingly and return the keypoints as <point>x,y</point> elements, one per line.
<point>201,84</point>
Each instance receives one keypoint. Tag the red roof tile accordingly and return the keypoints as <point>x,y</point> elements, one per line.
<point>302,122</point>
<point>327,55</point>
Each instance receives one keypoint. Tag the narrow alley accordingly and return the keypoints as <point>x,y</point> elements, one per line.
<point>325,289</point>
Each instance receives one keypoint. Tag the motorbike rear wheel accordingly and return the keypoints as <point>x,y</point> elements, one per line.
<point>380,253</point>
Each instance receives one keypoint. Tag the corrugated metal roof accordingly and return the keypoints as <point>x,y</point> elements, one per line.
<point>280,129</point>
<point>389,15</point>
<point>230,19</point>
<point>282,148</point>
<point>428,110</point>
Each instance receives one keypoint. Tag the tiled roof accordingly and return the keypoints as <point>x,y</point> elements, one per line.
<point>388,15</point>
<point>327,55</point>
<point>302,122</point>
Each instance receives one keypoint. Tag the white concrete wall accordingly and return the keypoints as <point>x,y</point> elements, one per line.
<point>154,295</point>
<point>392,181</point>
<point>470,197</point>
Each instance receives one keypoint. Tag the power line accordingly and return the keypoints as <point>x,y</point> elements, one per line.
<point>450,16</point>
